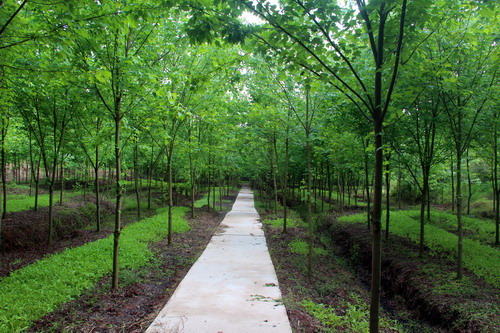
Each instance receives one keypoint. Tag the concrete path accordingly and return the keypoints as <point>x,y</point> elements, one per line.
<point>232,288</point>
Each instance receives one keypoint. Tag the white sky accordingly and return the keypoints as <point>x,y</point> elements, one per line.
<point>251,18</point>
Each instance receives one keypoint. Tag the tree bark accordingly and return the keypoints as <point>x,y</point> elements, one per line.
<point>469,183</point>
<point>387,197</point>
<point>136,179</point>
<point>117,232</point>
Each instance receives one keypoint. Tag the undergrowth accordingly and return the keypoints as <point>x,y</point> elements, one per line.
<point>480,259</point>
<point>351,316</point>
<point>35,290</point>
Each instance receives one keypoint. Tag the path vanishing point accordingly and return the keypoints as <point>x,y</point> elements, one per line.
<point>232,287</point>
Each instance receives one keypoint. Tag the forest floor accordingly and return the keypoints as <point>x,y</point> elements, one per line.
<point>25,233</point>
<point>142,292</point>
<point>418,294</point>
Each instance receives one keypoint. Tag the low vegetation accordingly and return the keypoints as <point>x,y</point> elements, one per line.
<point>35,290</point>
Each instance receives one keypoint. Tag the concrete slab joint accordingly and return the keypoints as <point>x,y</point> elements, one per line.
<point>232,287</point>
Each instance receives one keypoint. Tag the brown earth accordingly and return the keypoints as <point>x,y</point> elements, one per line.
<point>424,286</point>
<point>25,233</point>
<point>143,293</point>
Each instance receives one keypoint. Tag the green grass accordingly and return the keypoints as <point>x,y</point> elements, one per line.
<point>299,246</point>
<point>480,259</point>
<point>354,317</point>
<point>35,290</point>
<point>204,200</point>
<point>482,230</point>
<point>22,202</point>
<point>293,218</point>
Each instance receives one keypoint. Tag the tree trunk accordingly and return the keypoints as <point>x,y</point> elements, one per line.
<point>452,186</point>
<point>4,174</point>
<point>458,198</point>
<point>285,184</point>
<point>117,232</point>
<point>367,186</point>
<point>221,185</point>
<point>136,179</point>
<point>170,195</point>
<point>97,198</point>
<point>61,194</point>
<point>309,189</point>
<point>275,185</point>
<point>387,197</point>
<point>376,227</point>
<point>399,186</point>
<point>209,183</point>
<point>37,183</point>
<point>496,189</point>
<point>51,213</point>
<point>469,183</point>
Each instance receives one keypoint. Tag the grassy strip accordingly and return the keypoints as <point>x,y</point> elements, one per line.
<point>204,200</point>
<point>480,259</point>
<point>35,290</point>
<point>22,202</point>
<point>482,230</point>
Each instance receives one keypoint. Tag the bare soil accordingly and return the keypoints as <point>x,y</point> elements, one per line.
<point>143,292</point>
<point>25,233</point>
<point>425,286</point>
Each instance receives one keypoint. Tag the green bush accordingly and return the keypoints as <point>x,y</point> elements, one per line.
<point>35,290</point>
<point>480,259</point>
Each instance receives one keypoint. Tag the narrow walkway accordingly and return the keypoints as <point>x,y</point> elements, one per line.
<point>232,288</point>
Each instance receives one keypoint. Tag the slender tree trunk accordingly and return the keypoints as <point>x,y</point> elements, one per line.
<point>4,185</point>
<point>191,174</point>
<point>496,189</point>
<point>214,201</point>
<point>387,197</point>
<point>170,195</point>
<point>275,184</point>
<point>458,198</point>
<point>220,190</point>
<point>37,183</point>
<point>423,201</point>
<point>285,184</point>
<point>376,226</point>
<point>61,194</point>
<point>117,232</point>
<point>329,185</point>
<point>452,185</point>
<point>469,183</point>
<point>136,179</point>
<point>367,186</point>
<point>209,182</point>
<point>309,189</point>
<point>399,186</point>
<point>97,194</point>
<point>4,174</point>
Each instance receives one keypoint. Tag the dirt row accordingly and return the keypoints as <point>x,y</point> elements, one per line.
<point>143,292</point>
<point>420,293</point>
